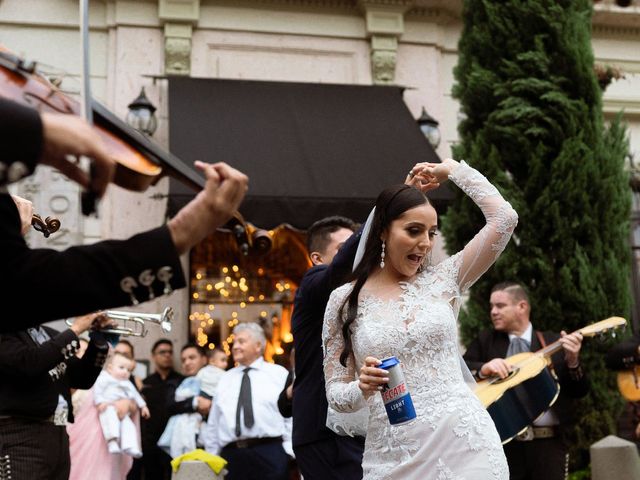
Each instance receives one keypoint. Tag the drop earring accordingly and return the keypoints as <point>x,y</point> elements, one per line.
<point>382,255</point>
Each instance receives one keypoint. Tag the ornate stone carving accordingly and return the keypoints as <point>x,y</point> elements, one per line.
<point>383,66</point>
<point>177,56</point>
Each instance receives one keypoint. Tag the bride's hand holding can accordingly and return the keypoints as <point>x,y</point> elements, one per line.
<point>371,377</point>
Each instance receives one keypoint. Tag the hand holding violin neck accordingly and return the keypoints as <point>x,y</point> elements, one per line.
<point>213,206</point>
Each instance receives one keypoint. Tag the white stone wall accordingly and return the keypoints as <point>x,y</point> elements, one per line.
<point>312,41</point>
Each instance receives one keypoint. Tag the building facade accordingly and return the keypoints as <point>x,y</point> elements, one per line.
<point>135,43</point>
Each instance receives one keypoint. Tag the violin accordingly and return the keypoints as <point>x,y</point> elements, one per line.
<point>140,162</point>
<point>47,226</point>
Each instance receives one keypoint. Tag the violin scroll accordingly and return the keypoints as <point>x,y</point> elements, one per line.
<point>47,226</point>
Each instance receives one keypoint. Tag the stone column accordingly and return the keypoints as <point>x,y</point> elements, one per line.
<point>614,458</point>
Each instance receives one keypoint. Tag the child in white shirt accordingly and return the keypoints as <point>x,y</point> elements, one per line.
<point>113,384</point>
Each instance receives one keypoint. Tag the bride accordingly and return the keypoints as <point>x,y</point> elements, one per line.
<point>399,304</point>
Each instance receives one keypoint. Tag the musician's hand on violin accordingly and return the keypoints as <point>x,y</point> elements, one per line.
<point>571,343</point>
<point>498,367</point>
<point>25,210</point>
<point>231,189</point>
<point>371,377</point>
<point>212,207</point>
<point>70,135</point>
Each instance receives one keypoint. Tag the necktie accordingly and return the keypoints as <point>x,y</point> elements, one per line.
<point>244,403</point>
<point>518,345</point>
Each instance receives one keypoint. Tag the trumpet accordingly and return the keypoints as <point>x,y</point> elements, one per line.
<point>134,324</point>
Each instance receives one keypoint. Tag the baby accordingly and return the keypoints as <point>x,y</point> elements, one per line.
<point>210,374</point>
<point>113,384</point>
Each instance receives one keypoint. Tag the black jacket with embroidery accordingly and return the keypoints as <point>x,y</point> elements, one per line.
<point>32,375</point>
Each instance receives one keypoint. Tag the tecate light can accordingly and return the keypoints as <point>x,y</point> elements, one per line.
<point>395,394</point>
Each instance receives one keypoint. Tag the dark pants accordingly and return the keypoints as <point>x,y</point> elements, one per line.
<point>338,458</point>
<point>544,458</point>
<point>261,462</point>
<point>33,450</point>
<point>156,464</point>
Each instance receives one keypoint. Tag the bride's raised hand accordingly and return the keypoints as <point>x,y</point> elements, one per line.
<point>436,172</point>
<point>371,377</point>
<point>416,179</point>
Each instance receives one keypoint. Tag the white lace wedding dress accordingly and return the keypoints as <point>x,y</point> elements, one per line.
<point>453,436</point>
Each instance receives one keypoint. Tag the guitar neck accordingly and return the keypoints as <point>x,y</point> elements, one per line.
<point>556,346</point>
<point>550,349</point>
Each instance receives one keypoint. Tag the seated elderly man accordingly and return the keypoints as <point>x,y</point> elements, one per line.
<point>244,425</point>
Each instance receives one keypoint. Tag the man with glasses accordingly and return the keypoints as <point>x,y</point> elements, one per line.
<point>155,389</point>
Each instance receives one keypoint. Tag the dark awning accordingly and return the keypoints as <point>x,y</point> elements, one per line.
<point>310,150</point>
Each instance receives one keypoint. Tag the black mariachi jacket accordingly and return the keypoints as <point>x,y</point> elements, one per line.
<point>32,375</point>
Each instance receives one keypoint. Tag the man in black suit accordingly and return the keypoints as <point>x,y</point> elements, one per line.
<point>38,367</point>
<point>541,451</point>
<point>157,387</point>
<point>106,274</point>
<point>320,453</point>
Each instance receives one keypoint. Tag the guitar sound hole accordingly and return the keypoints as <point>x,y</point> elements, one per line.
<point>512,373</point>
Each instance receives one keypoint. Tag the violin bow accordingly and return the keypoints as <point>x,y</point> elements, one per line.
<point>88,199</point>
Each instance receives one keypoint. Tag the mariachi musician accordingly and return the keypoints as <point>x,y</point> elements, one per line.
<point>111,273</point>
<point>625,357</point>
<point>38,367</point>
<point>541,451</point>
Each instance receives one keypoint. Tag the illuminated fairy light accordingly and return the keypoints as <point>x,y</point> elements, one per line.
<point>235,268</point>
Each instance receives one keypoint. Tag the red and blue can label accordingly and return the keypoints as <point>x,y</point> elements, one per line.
<point>395,394</point>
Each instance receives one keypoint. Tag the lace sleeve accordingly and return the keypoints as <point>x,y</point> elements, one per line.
<point>343,393</point>
<point>483,250</point>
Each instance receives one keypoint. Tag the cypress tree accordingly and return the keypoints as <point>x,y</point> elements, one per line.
<point>533,125</point>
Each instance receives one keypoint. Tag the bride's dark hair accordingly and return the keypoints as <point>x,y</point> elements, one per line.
<point>390,204</point>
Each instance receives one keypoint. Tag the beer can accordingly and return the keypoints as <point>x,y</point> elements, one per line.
<point>395,394</point>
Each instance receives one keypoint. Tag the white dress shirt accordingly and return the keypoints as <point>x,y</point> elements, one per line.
<point>267,381</point>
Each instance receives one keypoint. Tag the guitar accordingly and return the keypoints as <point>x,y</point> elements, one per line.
<point>629,383</point>
<point>530,388</point>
